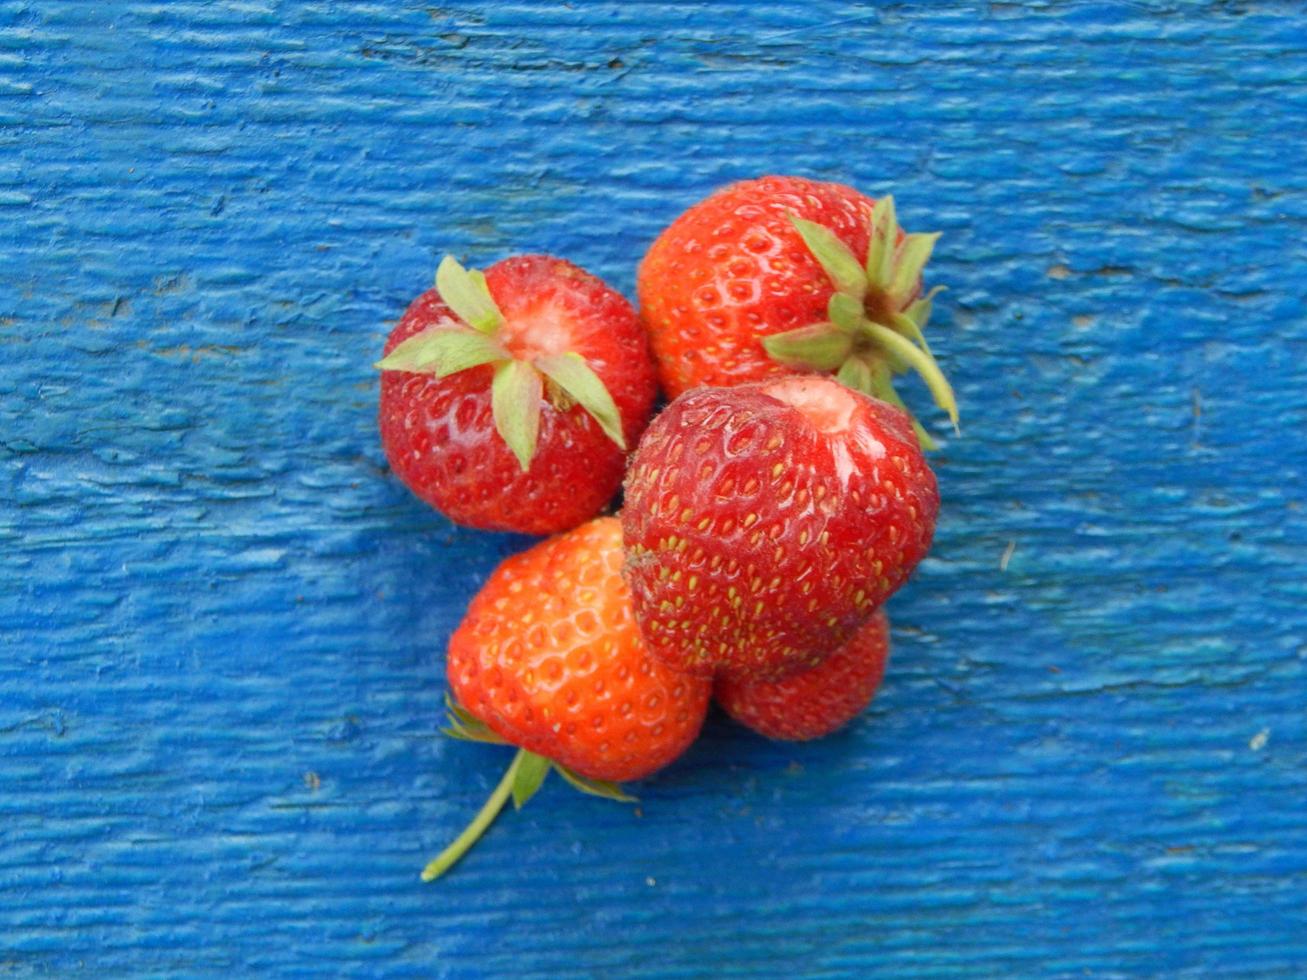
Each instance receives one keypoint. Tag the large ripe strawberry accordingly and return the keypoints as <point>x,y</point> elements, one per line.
<point>549,658</point>
<point>764,523</point>
<point>508,400</point>
<point>781,273</point>
<point>817,701</point>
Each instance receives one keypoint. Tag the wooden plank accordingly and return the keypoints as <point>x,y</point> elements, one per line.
<point>222,621</point>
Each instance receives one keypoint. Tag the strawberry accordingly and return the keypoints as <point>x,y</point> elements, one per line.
<point>781,273</point>
<point>765,523</point>
<point>817,701</point>
<point>508,399</point>
<point>549,658</point>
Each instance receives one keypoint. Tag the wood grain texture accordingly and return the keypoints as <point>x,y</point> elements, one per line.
<point>222,621</point>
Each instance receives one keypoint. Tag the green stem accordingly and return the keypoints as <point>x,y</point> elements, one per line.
<point>463,843</point>
<point>912,330</point>
<point>899,346</point>
<point>882,387</point>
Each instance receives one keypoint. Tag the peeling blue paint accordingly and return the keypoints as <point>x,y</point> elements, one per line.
<point>222,621</point>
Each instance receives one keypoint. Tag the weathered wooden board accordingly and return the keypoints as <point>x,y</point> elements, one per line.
<point>222,621</point>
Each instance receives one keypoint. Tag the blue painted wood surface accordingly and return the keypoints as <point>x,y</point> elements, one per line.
<point>222,620</point>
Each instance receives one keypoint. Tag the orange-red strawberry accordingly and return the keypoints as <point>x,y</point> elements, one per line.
<point>765,523</point>
<point>508,400</point>
<point>781,273</point>
<point>549,658</point>
<point>817,701</point>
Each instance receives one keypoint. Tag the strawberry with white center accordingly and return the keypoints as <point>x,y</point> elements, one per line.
<point>509,399</point>
<point>765,523</point>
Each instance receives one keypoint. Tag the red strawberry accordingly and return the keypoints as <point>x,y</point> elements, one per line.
<point>817,701</point>
<point>778,273</point>
<point>765,523</point>
<point>549,658</point>
<point>508,400</point>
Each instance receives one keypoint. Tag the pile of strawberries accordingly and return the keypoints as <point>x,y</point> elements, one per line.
<point>770,508</point>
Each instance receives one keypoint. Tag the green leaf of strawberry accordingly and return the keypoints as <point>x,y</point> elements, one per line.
<point>515,401</point>
<point>822,346</point>
<point>884,235</point>
<point>529,778</point>
<point>909,261</point>
<point>518,383</point>
<point>443,352</point>
<point>834,256</point>
<point>465,726</point>
<point>855,373</point>
<point>467,295</point>
<point>920,310</point>
<point>845,312</point>
<point>872,307</point>
<point>576,379</point>
<point>594,787</point>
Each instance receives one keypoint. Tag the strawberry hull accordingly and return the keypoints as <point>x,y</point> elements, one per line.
<point>732,270</point>
<point>445,434</point>
<point>781,274</point>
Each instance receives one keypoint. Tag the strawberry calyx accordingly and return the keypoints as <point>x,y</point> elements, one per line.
<point>875,319</point>
<point>522,779</point>
<point>520,380</point>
